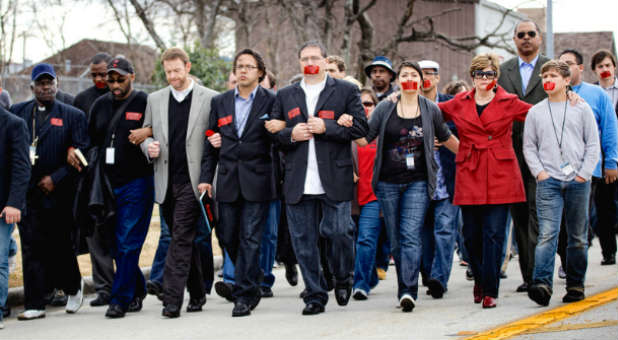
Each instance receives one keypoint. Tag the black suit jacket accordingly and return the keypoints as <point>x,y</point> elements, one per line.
<point>245,162</point>
<point>14,162</point>
<point>447,158</point>
<point>510,80</point>
<point>333,152</point>
<point>64,127</point>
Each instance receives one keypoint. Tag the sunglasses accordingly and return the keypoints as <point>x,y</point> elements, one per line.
<point>368,104</point>
<point>478,74</point>
<point>119,80</point>
<point>521,35</point>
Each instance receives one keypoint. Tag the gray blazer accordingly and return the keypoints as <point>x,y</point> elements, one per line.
<point>433,125</point>
<point>157,118</point>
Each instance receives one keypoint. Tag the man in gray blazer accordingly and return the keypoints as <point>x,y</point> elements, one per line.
<point>178,115</point>
<point>520,75</point>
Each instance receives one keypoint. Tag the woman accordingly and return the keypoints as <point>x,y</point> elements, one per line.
<point>404,174</point>
<point>487,178</point>
<point>369,222</point>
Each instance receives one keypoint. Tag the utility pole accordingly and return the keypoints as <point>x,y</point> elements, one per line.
<point>549,39</point>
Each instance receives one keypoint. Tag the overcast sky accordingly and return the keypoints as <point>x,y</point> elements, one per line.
<point>95,21</point>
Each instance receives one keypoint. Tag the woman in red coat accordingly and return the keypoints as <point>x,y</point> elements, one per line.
<point>487,178</point>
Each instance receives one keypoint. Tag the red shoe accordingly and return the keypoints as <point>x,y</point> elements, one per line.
<point>489,302</point>
<point>478,294</point>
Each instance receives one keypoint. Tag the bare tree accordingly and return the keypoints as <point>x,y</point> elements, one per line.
<point>8,32</point>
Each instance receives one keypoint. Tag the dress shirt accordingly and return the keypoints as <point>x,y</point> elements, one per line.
<point>181,95</point>
<point>242,109</point>
<point>313,183</point>
<point>525,70</point>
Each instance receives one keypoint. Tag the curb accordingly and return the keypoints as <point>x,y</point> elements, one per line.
<point>16,294</point>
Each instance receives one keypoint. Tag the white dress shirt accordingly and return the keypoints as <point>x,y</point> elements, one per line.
<point>181,95</point>
<point>313,183</point>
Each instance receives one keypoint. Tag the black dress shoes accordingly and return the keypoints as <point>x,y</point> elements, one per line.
<point>291,274</point>
<point>303,294</point>
<point>114,312</point>
<point>266,292</point>
<point>241,309</point>
<point>522,288</point>
<point>313,308</point>
<point>436,290</point>
<point>59,300</point>
<point>135,305</point>
<point>171,311</point>
<point>342,294</point>
<point>101,300</point>
<point>609,260</point>
<point>225,290</point>
<point>195,305</point>
<point>154,288</point>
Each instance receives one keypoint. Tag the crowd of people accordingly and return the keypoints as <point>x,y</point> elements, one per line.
<point>324,174</point>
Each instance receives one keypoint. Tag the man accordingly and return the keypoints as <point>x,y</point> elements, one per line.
<point>178,115</point>
<point>270,81</point>
<point>112,118</point>
<point>604,67</point>
<point>335,66</point>
<point>14,178</point>
<point>605,173</point>
<point>318,172</point>
<point>381,73</point>
<point>440,228</point>
<point>520,75</point>
<point>46,227</point>
<point>561,146</point>
<point>244,174</point>
<point>98,245</point>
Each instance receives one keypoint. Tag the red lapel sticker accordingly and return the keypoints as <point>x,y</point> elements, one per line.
<point>293,112</point>
<point>224,121</point>
<point>326,114</point>
<point>133,116</point>
<point>56,121</point>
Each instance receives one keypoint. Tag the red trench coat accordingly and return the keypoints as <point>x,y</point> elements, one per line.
<point>487,171</point>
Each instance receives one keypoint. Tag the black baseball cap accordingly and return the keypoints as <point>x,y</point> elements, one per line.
<point>120,65</point>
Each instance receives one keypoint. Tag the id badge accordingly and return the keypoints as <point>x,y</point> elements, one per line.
<point>109,155</point>
<point>567,169</point>
<point>410,161</point>
<point>32,154</point>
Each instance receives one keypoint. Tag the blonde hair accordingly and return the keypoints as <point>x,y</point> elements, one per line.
<point>175,53</point>
<point>483,61</point>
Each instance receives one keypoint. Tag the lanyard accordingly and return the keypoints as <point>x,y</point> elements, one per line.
<point>35,139</point>
<point>553,124</point>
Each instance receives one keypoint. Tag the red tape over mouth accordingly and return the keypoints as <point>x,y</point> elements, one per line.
<point>549,86</point>
<point>311,69</point>
<point>491,85</point>
<point>426,83</point>
<point>409,85</point>
<point>606,74</point>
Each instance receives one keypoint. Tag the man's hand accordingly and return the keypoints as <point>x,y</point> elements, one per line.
<point>301,132</point>
<point>274,125</point>
<point>154,150</point>
<point>542,176</point>
<point>610,175</point>
<point>11,215</point>
<point>215,140</point>
<point>574,98</point>
<point>46,184</point>
<point>393,96</point>
<point>345,120</point>
<point>580,179</point>
<point>436,144</point>
<point>138,136</point>
<point>73,160</point>
<point>316,125</point>
<point>205,187</point>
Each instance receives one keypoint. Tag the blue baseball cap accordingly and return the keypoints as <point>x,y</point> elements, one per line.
<point>42,69</point>
<point>380,61</point>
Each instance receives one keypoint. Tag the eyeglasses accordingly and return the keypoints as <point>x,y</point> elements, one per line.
<point>368,104</point>
<point>521,35</point>
<point>119,80</point>
<point>430,73</point>
<point>246,67</point>
<point>478,74</point>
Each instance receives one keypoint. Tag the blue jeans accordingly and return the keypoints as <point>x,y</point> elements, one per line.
<point>268,250</point>
<point>404,207</point>
<point>552,196</point>
<point>134,202</point>
<point>507,231</point>
<point>439,234</point>
<point>5,240</point>
<point>369,227</point>
<point>158,263</point>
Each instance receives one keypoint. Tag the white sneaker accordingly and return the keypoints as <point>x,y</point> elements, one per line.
<point>407,303</point>
<point>1,325</point>
<point>31,314</point>
<point>74,302</point>
<point>359,294</point>
<point>12,263</point>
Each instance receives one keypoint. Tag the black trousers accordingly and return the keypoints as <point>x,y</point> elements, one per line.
<point>605,200</point>
<point>101,245</point>
<point>285,251</point>
<point>183,262</point>
<point>241,226</point>
<point>526,227</point>
<point>48,256</point>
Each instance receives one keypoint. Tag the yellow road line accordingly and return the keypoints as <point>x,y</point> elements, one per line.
<point>548,317</point>
<point>572,326</point>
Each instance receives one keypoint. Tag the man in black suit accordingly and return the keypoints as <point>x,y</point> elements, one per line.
<point>14,177</point>
<point>244,175</point>
<point>520,75</point>
<point>46,228</point>
<point>318,176</point>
